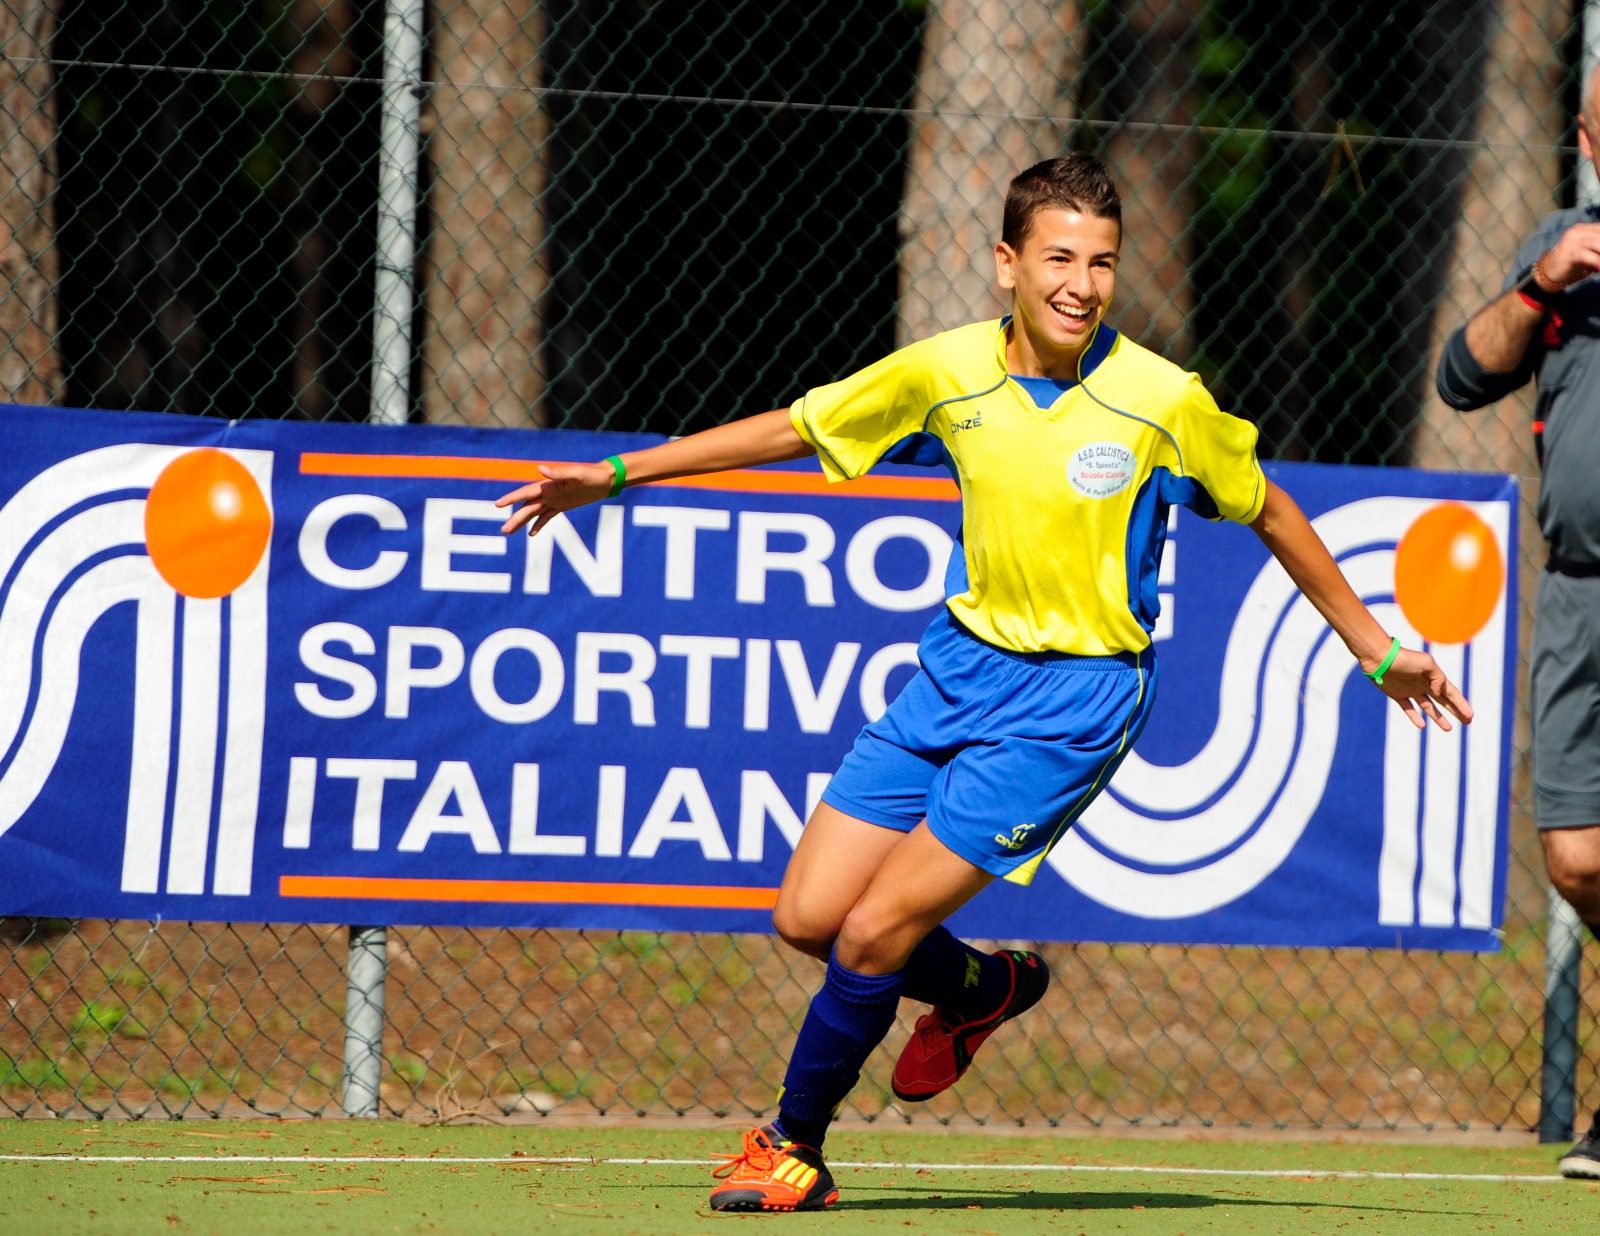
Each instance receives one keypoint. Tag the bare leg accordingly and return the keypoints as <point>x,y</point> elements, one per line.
<point>836,859</point>
<point>1572,857</point>
<point>913,885</point>
<point>918,885</point>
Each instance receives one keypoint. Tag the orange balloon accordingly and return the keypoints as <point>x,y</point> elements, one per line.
<point>206,523</point>
<point>1448,574</point>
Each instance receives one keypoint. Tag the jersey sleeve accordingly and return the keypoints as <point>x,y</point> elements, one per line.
<point>1219,455</point>
<point>853,423</point>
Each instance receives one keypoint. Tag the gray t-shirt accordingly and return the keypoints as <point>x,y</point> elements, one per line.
<point>1564,359</point>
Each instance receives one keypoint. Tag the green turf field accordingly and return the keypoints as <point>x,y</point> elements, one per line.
<point>255,1177</point>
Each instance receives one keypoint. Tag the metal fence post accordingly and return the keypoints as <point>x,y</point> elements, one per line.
<point>400,143</point>
<point>363,1020</point>
<point>1558,1075</point>
<point>393,301</point>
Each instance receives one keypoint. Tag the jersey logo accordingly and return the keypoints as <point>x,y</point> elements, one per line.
<point>1101,469</point>
<point>972,422</point>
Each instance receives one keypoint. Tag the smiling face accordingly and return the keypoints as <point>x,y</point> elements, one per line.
<point>1061,278</point>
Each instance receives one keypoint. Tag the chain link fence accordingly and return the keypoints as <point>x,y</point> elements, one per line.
<point>642,215</point>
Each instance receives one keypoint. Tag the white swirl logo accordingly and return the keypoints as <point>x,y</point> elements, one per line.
<point>1171,842</point>
<point>1101,469</point>
<point>182,534</point>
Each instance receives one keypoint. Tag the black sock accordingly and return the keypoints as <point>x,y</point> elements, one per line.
<point>951,974</point>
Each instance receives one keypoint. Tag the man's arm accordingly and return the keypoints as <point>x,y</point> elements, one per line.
<point>1501,333</point>
<point>1489,358</point>
<point>766,438</point>
<point>1413,680</point>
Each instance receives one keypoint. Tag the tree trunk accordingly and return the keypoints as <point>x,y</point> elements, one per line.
<point>995,76</point>
<point>1445,55</point>
<point>1287,248</point>
<point>30,366</point>
<point>1155,165</point>
<point>323,376</point>
<point>1510,185</point>
<point>488,274</point>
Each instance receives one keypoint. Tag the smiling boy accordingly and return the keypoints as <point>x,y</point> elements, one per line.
<point>1070,444</point>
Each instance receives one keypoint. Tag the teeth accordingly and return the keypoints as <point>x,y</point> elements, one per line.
<point>1069,311</point>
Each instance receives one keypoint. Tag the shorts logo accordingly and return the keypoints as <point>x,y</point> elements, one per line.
<point>1101,469</point>
<point>1018,837</point>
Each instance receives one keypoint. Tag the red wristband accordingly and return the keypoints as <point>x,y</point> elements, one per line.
<point>1531,303</point>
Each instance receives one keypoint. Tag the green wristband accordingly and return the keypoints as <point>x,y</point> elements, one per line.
<point>1377,674</point>
<point>622,477</point>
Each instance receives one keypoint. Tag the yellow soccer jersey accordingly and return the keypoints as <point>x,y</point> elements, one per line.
<point>1064,510</point>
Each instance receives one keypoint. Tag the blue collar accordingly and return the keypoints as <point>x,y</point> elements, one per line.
<point>1045,391</point>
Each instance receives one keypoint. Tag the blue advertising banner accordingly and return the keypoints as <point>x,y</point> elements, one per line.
<point>287,672</point>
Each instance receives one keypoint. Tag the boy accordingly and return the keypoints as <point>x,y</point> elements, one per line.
<point>1070,443</point>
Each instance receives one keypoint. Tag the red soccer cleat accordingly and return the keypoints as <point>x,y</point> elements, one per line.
<point>773,1174</point>
<point>941,1048</point>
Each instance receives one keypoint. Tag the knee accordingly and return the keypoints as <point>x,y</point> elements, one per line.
<point>1578,881</point>
<point>802,931</point>
<point>870,942</point>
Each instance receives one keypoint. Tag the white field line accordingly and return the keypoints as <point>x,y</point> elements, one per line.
<point>581,1161</point>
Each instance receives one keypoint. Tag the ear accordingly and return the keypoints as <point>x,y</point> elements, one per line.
<point>1005,266</point>
<point>1585,146</point>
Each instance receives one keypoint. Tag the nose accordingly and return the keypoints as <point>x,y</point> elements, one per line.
<point>1079,284</point>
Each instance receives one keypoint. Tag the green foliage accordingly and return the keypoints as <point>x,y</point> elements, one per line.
<point>33,1072</point>
<point>98,1017</point>
<point>409,1068</point>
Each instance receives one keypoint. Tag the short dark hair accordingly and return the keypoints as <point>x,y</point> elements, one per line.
<point>1077,182</point>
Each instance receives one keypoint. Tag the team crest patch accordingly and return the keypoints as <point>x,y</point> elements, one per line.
<point>1101,469</point>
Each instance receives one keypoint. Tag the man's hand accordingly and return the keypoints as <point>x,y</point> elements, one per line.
<point>564,487</point>
<point>1415,682</point>
<point>1500,334</point>
<point>1575,256</point>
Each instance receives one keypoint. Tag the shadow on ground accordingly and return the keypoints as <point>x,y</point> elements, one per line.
<point>928,1199</point>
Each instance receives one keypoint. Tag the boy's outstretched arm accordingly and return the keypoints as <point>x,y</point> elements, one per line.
<point>1413,680</point>
<point>766,438</point>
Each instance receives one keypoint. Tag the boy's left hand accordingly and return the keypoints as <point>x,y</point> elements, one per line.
<point>1419,686</point>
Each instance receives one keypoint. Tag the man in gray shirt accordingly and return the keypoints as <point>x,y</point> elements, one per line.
<point>1546,325</point>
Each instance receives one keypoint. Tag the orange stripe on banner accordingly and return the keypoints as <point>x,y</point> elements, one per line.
<point>753,481</point>
<point>439,467</point>
<point>395,888</point>
<point>748,480</point>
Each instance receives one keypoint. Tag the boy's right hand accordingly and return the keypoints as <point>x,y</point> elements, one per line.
<point>565,486</point>
<point>1415,682</point>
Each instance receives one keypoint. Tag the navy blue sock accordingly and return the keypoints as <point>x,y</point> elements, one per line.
<point>846,1021</point>
<point>951,974</point>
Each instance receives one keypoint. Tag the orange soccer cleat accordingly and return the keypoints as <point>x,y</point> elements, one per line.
<point>773,1174</point>
<point>942,1047</point>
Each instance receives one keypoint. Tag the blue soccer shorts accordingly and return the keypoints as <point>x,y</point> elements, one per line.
<point>999,751</point>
